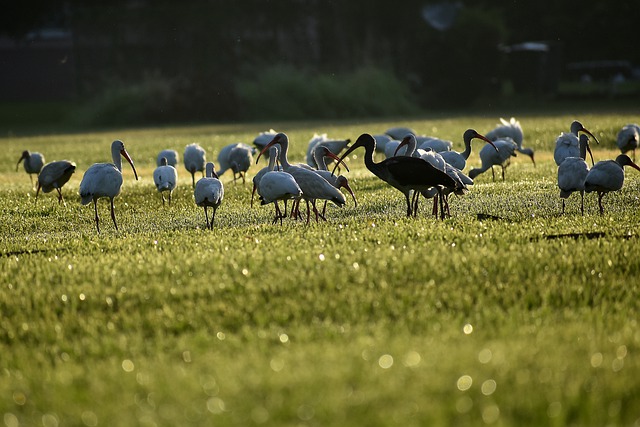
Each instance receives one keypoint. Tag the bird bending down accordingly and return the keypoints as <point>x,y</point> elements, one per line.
<point>628,138</point>
<point>314,187</point>
<point>606,176</point>
<point>506,148</point>
<point>334,145</point>
<point>195,158</point>
<point>55,175</point>
<point>165,177</point>
<point>568,144</point>
<point>511,129</point>
<point>209,192</point>
<point>33,163</point>
<point>404,173</point>
<point>237,157</point>
<point>105,180</point>
<point>572,173</point>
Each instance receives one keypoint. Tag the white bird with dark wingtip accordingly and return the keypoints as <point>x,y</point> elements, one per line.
<point>209,193</point>
<point>572,173</point>
<point>55,175</point>
<point>606,176</point>
<point>170,155</point>
<point>33,163</point>
<point>334,145</point>
<point>195,158</point>
<point>628,138</point>
<point>568,144</point>
<point>165,177</point>
<point>105,180</point>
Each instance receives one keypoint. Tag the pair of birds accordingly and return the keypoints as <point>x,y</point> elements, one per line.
<point>49,176</point>
<point>574,174</point>
<point>237,157</point>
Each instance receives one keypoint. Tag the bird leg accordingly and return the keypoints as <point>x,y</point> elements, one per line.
<point>95,208</point>
<point>37,191</point>
<point>206,216</point>
<point>600,195</point>
<point>493,174</point>
<point>409,210</point>
<point>170,197</point>
<point>503,173</point>
<point>213,217</point>
<point>562,206</point>
<point>162,195</point>
<point>60,198</point>
<point>113,214</point>
<point>441,202</point>
<point>308,212</point>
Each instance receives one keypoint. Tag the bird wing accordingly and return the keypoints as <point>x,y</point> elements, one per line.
<point>415,171</point>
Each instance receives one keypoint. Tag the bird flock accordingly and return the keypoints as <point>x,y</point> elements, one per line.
<point>416,165</point>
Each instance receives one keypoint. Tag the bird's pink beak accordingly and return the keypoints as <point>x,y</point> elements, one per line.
<point>266,147</point>
<point>336,158</point>
<point>346,185</point>
<point>124,154</point>
<point>404,142</point>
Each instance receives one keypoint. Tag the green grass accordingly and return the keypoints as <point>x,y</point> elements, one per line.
<point>526,318</point>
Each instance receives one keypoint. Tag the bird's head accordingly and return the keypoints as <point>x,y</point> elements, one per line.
<point>470,134</point>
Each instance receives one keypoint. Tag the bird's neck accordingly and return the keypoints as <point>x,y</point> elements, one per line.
<point>467,149</point>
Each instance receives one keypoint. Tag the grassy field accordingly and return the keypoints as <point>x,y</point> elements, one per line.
<point>506,314</point>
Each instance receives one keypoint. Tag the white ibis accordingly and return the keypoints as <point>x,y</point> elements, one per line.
<point>314,187</point>
<point>568,144</point>
<point>506,148</point>
<point>209,193</point>
<point>55,175</point>
<point>336,146</point>
<point>572,173</point>
<point>320,153</point>
<point>511,129</point>
<point>263,139</point>
<point>165,177</point>
<point>105,180</point>
<point>606,176</point>
<point>33,163</point>
<point>459,160</point>
<point>275,186</point>
<point>381,141</point>
<point>628,138</point>
<point>237,157</point>
<point>404,173</point>
<point>170,155</point>
<point>273,155</point>
<point>195,158</point>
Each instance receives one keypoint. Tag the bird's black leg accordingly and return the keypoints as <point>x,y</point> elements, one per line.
<point>113,214</point>
<point>562,206</point>
<point>206,216</point>
<point>213,217</point>
<point>600,195</point>
<point>409,210</point>
<point>95,208</point>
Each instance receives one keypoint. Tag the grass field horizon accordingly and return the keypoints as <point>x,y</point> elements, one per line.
<point>507,314</point>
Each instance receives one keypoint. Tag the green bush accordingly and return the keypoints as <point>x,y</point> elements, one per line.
<point>284,92</point>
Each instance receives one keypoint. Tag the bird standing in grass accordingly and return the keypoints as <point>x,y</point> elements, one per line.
<point>209,193</point>
<point>628,138</point>
<point>170,155</point>
<point>33,163</point>
<point>237,157</point>
<point>105,180</point>
<point>506,148</point>
<point>572,173</point>
<point>195,158</point>
<point>606,176</point>
<point>55,175</point>
<point>165,177</point>
<point>568,144</point>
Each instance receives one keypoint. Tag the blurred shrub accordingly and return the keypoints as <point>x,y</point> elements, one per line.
<point>285,92</point>
<point>154,99</point>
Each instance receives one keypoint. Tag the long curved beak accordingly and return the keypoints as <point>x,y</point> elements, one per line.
<point>404,142</point>
<point>344,156</point>
<point>126,156</point>
<point>590,154</point>
<point>19,160</point>
<point>346,185</point>
<point>488,141</point>
<point>337,159</point>
<point>590,134</point>
<point>265,148</point>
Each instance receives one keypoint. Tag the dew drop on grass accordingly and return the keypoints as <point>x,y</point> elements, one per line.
<point>485,356</point>
<point>221,336</point>
<point>321,257</point>
<point>215,405</point>
<point>467,329</point>
<point>385,361</point>
<point>488,387</point>
<point>89,419</point>
<point>11,420</point>
<point>490,414</point>
<point>127,365</point>
<point>464,383</point>
<point>412,359</point>
<point>284,338</point>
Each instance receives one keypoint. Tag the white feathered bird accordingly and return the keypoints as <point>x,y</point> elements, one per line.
<point>195,158</point>
<point>55,175</point>
<point>628,138</point>
<point>165,177</point>
<point>105,180</point>
<point>511,129</point>
<point>209,193</point>
<point>170,155</point>
<point>606,176</point>
<point>238,157</point>
<point>33,163</point>
<point>568,144</point>
<point>572,173</point>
